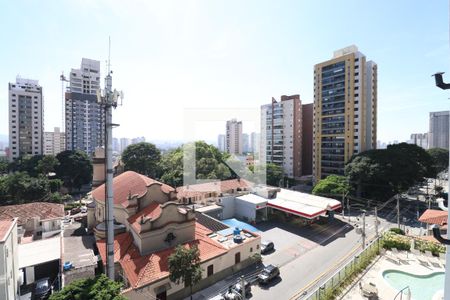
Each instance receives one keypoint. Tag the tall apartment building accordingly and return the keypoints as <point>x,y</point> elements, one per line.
<point>85,119</point>
<point>345,110</point>
<point>420,139</point>
<point>124,143</point>
<point>233,137</point>
<point>245,143</point>
<point>138,140</point>
<point>221,142</point>
<point>254,142</point>
<point>25,118</point>
<point>281,134</point>
<point>439,129</point>
<point>54,142</point>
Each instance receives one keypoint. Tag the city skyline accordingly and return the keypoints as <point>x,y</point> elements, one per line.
<point>220,59</point>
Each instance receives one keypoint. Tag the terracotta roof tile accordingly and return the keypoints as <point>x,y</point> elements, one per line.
<point>433,216</point>
<point>151,211</point>
<point>122,243</point>
<point>224,186</point>
<point>141,270</point>
<point>126,183</point>
<point>5,227</point>
<point>41,210</point>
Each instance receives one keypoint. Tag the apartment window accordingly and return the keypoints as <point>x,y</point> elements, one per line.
<point>237,258</point>
<point>210,270</point>
<point>251,249</point>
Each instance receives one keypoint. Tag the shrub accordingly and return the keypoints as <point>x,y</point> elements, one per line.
<point>397,231</point>
<point>433,247</point>
<point>394,240</point>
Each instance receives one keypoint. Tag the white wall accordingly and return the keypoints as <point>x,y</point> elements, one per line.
<point>244,209</point>
<point>228,206</point>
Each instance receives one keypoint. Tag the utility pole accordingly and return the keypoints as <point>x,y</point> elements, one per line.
<point>398,211</point>
<point>348,208</point>
<point>364,230</point>
<point>242,287</point>
<point>376,221</point>
<point>343,198</point>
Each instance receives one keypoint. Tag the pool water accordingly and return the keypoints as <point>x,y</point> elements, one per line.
<point>422,287</point>
<point>236,223</point>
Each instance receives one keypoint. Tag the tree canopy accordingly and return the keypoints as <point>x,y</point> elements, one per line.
<point>74,169</point>
<point>98,288</point>
<point>143,158</point>
<point>379,174</point>
<point>332,185</point>
<point>439,157</point>
<point>209,163</point>
<point>184,266</point>
<point>19,188</point>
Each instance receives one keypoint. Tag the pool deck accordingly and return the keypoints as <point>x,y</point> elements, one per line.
<point>404,261</point>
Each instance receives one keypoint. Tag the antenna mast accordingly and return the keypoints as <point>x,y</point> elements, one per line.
<point>63,79</point>
<point>108,101</point>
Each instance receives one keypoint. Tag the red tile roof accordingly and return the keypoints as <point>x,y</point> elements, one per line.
<point>151,211</point>
<point>142,270</point>
<point>127,183</point>
<point>122,243</point>
<point>41,210</point>
<point>5,227</point>
<point>433,216</point>
<point>218,186</point>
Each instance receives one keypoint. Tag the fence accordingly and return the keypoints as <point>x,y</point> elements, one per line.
<point>358,263</point>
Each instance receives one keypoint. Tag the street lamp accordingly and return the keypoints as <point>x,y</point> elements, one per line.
<point>436,232</point>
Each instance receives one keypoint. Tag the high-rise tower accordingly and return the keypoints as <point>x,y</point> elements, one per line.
<point>345,110</point>
<point>85,120</point>
<point>25,118</point>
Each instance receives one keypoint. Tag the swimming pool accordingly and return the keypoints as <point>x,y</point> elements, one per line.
<point>422,287</point>
<point>236,223</point>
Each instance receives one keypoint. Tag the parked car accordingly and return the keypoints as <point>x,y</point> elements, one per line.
<point>75,210</point>
<point>267,246</point>
<point>247,285</point>
<point>268,273</point>
<point>42,289</point>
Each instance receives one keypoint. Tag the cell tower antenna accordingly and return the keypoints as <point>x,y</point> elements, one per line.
<point>109,55</point>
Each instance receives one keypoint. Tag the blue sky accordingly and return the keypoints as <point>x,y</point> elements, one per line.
<point>171,55</point>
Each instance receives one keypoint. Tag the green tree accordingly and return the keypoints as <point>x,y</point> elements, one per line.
<point>184,266</point>
<point>143,158</point>
<point>439,157</point>
<point>19,187</point>
<point>379,174</point>
<point>332,185</point>
<point>74,169</point>
<point>26,163</point>
<point>209,163</point>
<point>274,173</point>
<point>4,166</point>
<point>98,288</point>
<point>47,164</point>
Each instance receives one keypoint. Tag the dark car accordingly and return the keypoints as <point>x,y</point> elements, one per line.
<point>247,285</point>
<point>268,273</point>
<point>42,289</point>
<point>266,247</point>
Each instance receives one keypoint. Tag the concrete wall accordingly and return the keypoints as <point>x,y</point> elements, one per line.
<point>228,204</point>
<point>245,210</point>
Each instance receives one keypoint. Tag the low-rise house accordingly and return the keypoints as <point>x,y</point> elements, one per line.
<point>154,223</point>
<point>435,217</point>
<point>38,250</point>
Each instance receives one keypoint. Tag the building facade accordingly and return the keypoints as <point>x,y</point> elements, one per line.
<point>221,142</point>
<point>85,119</point>
<point>439,129</point>
<point>233,137</point>
<point>9,266</point>
<point>281,134</point>
<point>345,110</point>
<point>25,118</point>
<point>124,143</point>
<point>54,142</point>
<point>307,138</point>
<point>419,139</point>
